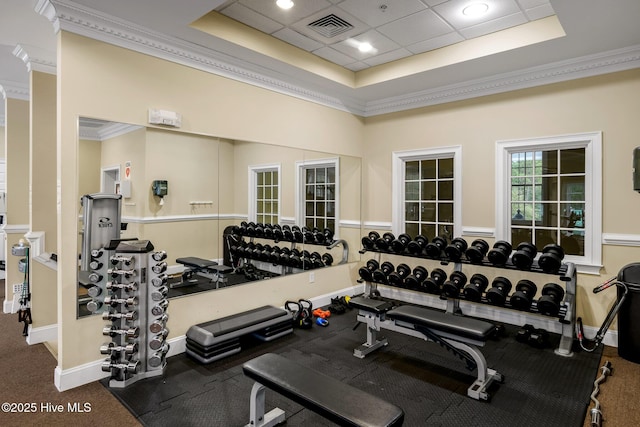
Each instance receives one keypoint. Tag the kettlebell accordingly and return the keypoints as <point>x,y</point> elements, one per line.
<point>296,312</point>
<point>306,316</point>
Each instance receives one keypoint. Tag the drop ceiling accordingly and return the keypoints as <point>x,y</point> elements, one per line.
<point>426,53</point>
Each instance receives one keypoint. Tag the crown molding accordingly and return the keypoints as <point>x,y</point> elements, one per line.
<point>86,22</point>
<point>35,59</point>
<point>108,131</point>
<point>576,68</point>
<point>14,90</point>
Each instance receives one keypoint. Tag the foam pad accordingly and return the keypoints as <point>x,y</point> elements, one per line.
<point>438,321</point>
<point>327,396</point>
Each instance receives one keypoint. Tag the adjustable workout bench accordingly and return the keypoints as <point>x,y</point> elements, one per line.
<point>460,335</point>
<point>326,396</point>
<point>202,267</point>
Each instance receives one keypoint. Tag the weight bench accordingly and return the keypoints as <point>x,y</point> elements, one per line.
<point>213,340</point>
<point>460,335</point>
<point>202,267</point>
<point>331,398</point>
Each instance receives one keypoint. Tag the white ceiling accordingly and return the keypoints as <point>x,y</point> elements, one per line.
<point>600,37</point>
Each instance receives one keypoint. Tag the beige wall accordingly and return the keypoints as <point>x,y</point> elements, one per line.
<point>43,195</point>
<point>2,143</point>
<point>104,81</point>
<point>607,103</point>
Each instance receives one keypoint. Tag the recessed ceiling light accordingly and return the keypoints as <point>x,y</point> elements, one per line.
<point>365,47</point>
<point>475,9</point>
<point>284,4</point>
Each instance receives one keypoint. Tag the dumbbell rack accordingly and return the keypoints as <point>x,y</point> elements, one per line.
<point>130,290</point>
<point>301,238</point>
<point>566,315</point>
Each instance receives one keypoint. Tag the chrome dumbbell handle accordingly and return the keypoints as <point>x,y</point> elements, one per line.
<point>129,316</point>
<point>131,301</point>
<point>160,293</point>
<point>159,268</point>
<point>120,259</point>
<point>131,367</point>
<point>111,348</point>
<point>159,256</point>
<point>114,272</point>
<point>158,324</point>
<point>129,287</point>
<point>129,333</point>
<point>160,308</point>
<point>160,280</point>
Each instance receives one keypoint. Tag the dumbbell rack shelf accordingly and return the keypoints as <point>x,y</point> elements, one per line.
<point>566,314</point>
<point>131,295</point>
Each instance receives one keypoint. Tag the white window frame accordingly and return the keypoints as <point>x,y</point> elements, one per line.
<point>399,158</point>
<point>301,166</point>
<point>591,262</point>
<point>253,187</point>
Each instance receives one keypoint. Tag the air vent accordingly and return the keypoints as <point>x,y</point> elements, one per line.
<point>330,26</point>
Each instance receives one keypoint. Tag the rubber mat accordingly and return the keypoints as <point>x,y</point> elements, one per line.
<point>429,384</point>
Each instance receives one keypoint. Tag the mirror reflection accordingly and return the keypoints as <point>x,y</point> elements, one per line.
<point>225,212</point>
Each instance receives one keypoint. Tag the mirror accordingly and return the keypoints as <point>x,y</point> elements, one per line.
<point>208,189</point>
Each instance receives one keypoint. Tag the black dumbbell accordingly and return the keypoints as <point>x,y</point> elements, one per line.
<point>295,259</point>
<point>477,251</point>
<point>369,241</point>
<point>316,260</point>
<point>523,296</point>
<point>251,229</point>
<point>451,288</point>
<point>435,248</point>
<point>274,256</point>
<point>307,236</point>
<point>328,236</point>
<point>551,258</point>
<point>298,237</point>
<point>500,253</point>
<point>381,275</point>
<point>384,242</point>
<point>285,254</point>
<point>366,272</point>
<point>327,259</point>
<point>417,245</point>
<point>538,338</point>
<point>475,288</point>
<point>243,228</point>
<point>434,283</point>
<point>456,248</point>
<point>549,302</point>
<point>277,233</point>
<point>397,277</point>
<point>523,334</point>
<point>268,231</point>
<point>523,257</point>
<point>259,230</point>
<point>266,252</point>
<point>287,234</point>
<point>414,281</point>
<point>400,244</point>
<point>500,288</point>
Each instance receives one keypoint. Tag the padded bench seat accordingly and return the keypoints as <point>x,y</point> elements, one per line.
<point>196,263</point>
<point>460,326</point>
<point>327,396</point>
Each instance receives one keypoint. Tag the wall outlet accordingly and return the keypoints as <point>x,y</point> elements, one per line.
<point>312,277</point>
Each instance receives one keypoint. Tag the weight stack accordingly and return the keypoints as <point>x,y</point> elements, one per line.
<point>629,314</point>
<point>136,306</point>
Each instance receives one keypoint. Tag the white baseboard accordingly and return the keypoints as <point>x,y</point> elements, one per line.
<point>42,334</point>
<point>610,338</point>
<point>7,306</point>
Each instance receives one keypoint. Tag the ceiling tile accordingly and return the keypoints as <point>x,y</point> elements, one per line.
<point>394,55</point>
<point>302,9</point>
<point>297,39</point>
<point>540,12</point>
<point>374,14</point>
<point>493,26</point>
<point>530,4</point>
<point>451,11</point>
<point>356,66</point>
<point>380,43</point>
<point>251,18</point>
<point>436,43</point>
<point>416,27</point>
<point>334,56</point>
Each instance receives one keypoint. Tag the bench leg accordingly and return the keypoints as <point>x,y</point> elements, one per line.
<point>373,341</point>
<point>486,376</point>
<point>257,417</point>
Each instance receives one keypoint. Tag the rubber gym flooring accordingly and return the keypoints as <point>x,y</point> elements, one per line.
<point>427,382</point>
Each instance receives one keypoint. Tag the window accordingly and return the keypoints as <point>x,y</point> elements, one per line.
<point>264,194</point>
<point>549,191</point>
<point>427,192</point>
<point>318,194</point>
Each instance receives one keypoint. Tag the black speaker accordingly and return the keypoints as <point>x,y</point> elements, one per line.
<point>636,169</point>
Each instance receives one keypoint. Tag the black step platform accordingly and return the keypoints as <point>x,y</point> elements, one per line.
<point>209,341</point>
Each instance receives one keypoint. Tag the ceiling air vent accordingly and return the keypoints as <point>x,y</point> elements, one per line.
<point>330,26</point>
